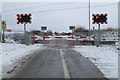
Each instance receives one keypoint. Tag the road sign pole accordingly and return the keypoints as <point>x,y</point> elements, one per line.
<point>3,36</point>
<point>89,23</point>
<point>25,36</point>
<point>72,33</point>
<point>119,40</point>
<point>98,34</point>
<point>3,29</point>
<point>94,34</point>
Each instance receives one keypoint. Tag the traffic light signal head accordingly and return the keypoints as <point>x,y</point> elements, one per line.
<point>99,18</point>
<point>23,18</point>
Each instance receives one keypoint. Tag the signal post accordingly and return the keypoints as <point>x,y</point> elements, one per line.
<point>3,30</point>
<point>24,19</point>
<point>99,19</point>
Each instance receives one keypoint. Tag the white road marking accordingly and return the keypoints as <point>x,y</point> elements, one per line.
<point>66,73</point>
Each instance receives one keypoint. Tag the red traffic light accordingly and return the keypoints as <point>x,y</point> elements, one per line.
<point>23,18</point>
<point>105,14</point>
<point>97,17</point>
<point>18,22</point>
<point>106,22</point>
<point>93,14</point>
<point>19,17</point>
<point>30,22</point>
<point>93,22</point>
<point>30,14</point>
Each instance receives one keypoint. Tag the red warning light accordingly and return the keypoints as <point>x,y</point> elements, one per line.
<point>97,17</point>
<point>21,22</point>
<point>19,17</point>
<point>106,22</point>
<point>105,14</point>
<point>23,18</point>
<point>97,14</point>
<point>30,14</point>
<point>17,22</point>
<point>30,22</point>
<point>97,22</point>
<point>92,14</point>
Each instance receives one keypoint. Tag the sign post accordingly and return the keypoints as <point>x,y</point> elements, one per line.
<point>25,36</point>
<point>3,29</point>
<point>99,34</point>
<point>119,40</point>
<point>43,28</point>
<point>99,19</point>
<point>24,19</point>
<point>72,28</point>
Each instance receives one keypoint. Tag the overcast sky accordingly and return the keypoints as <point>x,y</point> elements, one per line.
<point>51,15</point>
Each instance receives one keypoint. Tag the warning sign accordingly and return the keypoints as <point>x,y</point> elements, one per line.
<point>3,25</point>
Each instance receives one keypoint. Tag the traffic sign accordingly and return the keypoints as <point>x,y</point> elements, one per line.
<point>43,28</point>
<point>3,25</point>
<point>71,27</point>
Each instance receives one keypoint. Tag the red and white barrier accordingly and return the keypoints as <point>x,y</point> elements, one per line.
<point>63,37</point>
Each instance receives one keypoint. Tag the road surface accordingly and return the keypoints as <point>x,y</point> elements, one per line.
<point>60,61</point>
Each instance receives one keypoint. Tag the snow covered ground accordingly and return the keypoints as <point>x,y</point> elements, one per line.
<point>104,57</point>
<point>12,56</point>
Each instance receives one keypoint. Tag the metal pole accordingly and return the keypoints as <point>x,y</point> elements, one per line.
<point>25,34</point>
<point>93,30</point>
<point>3,36</point>
<point>72,33</point>
<point>98,34</point>
<point>89,20</point>
<point>43,37</point>
<point>94,34</point>
<point>1,28</point>
<point>119,40</point>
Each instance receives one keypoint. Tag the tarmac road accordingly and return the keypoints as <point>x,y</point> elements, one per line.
<point>60,61</point>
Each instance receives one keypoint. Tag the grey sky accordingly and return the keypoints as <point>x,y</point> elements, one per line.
<point>58,20</point>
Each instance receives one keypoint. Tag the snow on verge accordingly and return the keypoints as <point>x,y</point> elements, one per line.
<point>0,61</point>
<point>14,55</point>
<point>105,58</point>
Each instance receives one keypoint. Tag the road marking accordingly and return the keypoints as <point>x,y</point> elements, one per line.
<point>66,73</point>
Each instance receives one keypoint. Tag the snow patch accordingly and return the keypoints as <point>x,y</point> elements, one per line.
<point>104,57</point>
<point>14,55</point>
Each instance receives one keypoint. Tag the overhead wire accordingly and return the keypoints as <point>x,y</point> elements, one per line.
<point>72,8</point>
<point>39,6</point>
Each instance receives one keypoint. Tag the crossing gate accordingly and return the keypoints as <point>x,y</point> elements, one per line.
<point>64,37</point>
